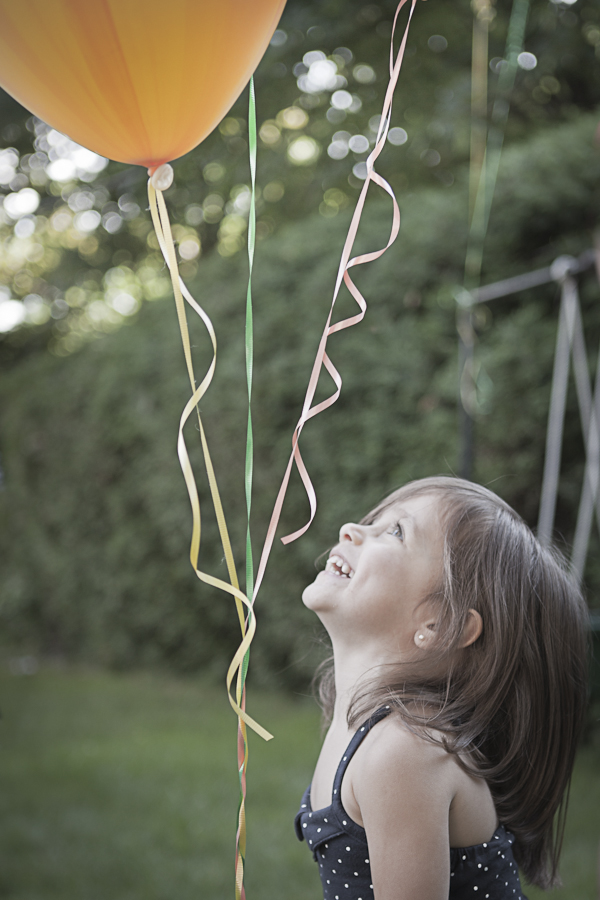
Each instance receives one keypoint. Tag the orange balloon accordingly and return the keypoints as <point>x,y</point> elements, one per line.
<point>138,81</point>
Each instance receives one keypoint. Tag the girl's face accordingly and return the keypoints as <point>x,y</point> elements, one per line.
<point>378,574</point>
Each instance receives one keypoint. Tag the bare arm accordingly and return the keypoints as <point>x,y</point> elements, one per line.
<point>404,786</point>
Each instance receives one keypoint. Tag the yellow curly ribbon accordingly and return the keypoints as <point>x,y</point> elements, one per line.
<point>164,235</point>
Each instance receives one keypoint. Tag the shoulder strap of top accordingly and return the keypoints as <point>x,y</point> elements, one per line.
<point>353,746</point>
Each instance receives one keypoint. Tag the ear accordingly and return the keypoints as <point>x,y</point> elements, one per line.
<point>473,628</point>
<point>425,634</point>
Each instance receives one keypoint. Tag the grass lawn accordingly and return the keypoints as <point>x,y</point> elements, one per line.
<point>124,787</point>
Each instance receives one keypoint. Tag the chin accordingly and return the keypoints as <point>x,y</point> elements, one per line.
<point>308,594</point>
<point>317,597</point>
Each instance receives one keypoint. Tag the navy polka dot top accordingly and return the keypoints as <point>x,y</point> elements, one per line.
<point>339,846</point>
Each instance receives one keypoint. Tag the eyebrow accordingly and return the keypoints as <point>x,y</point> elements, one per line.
<point>401,514</point>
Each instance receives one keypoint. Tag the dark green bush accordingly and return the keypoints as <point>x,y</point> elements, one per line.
<point>94,518</point>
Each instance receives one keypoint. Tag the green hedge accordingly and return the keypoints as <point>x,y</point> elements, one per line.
<point>94,518</point>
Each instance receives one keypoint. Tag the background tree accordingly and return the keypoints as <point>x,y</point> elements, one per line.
<point>93,516</point>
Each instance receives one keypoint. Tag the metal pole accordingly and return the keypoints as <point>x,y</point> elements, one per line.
<point>484,13</point>
<point>486,150</point>
<point>558,400</point>
<point>467,388</point>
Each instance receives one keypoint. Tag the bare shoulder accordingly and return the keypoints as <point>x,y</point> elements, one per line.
<point>392,747</point>
<point>394,762</point>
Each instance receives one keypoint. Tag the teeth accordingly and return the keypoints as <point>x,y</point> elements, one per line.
<point>337,566</point>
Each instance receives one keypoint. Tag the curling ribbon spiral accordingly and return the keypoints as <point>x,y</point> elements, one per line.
<point>162,226</point>
<point>322,359</point>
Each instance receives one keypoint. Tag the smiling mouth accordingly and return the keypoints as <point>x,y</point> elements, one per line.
<point>337,566</point>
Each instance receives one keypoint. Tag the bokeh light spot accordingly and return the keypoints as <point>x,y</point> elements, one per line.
<point>37,310</point>
<point>21,203</point>
<point>431,158</point>
<point>87,221</point>
<point>62,170</point>
<point>303,151</point>
<point>125,304</point>
<point>338,149</point>
<point>527,61</point>
<point>321,76</point>
<point>364,74</point>
<point>112,222</point>
<point>12,314</point>
<point>194,214</point>
<point>273,191</point>
<point>9,160</point>
<point>279,38</point>
<point>269,132</point>
<point>61,220</point>
<point>230,127</point>
<point>345,53</point>
<point>213,208</point>
<point>214,171</point>
<point>293,118</point>
<point>25,227</point>
<point>341,100</point>
<point>313,56</point>
<point>550,84</point>
<point>358,143</point>
<point>397,136</point>
<point>437,43</point>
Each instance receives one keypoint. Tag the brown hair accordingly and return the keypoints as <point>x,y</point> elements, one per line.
<point>511,706</point>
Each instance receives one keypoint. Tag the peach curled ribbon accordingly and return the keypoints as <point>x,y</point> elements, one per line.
<point>322,359</point>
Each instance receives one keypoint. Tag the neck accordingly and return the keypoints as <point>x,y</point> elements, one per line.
<point>355,666</point>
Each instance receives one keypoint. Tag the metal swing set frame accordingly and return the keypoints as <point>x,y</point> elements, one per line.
<point>570,349</point>
<point>486,150</point>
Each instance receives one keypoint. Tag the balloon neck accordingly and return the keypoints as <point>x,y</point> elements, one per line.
<point>161,177</point>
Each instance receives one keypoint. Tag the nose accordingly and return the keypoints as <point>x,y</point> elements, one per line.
<point>352,532</point>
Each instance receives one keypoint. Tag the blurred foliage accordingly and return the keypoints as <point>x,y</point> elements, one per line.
<point>94,520</point>
<point>77,253</point>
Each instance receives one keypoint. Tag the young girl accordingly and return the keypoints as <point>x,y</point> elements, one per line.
<point>455,702</point>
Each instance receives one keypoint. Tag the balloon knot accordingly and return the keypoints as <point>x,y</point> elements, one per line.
<point>161,177</point>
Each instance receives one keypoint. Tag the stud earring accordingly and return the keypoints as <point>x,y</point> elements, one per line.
<point>421,637</point>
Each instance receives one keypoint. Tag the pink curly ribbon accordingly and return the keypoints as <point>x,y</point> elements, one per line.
<point>322,359</point>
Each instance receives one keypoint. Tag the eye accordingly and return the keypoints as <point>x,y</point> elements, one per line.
<point>397,530</point>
